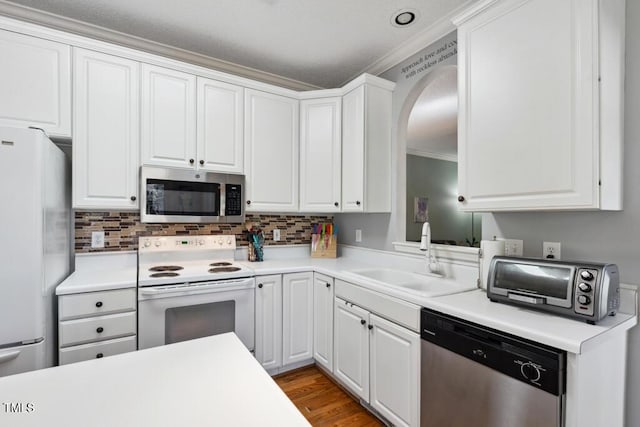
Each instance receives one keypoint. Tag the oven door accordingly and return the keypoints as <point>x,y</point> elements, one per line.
<point>174,313</point>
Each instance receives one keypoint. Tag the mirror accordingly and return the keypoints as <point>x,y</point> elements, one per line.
<point>432,168</point>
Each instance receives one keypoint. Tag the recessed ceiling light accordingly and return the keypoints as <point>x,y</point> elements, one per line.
<point>404,17</point>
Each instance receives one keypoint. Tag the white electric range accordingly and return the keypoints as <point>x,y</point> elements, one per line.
<point>191,287</point>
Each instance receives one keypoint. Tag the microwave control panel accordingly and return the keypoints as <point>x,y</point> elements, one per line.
<point>233,200</point>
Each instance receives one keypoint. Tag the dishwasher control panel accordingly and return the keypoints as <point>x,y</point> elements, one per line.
<point>539,365</point>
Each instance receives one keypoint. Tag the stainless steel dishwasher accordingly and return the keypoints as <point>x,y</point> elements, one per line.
<point>475,376</point>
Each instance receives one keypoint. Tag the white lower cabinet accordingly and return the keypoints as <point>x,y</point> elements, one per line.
<point>378,361</point>
<point>269,321</point>
<point>323,320</point>
<point>297,317</point>
<point>284,320</point>
<point>93,325</point>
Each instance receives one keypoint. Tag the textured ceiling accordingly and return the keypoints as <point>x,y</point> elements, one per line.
<point>320,42</point>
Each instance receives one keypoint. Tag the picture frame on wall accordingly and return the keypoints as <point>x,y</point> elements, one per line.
<point>420,209</point>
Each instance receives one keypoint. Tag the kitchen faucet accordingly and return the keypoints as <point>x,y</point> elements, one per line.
<point>425,245</point>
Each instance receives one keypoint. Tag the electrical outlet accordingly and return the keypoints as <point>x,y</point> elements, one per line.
<point>276,234</point>
<point>512,247</point>
<point>358,235</point>
<point>97,239</point>
<point>551,250</point>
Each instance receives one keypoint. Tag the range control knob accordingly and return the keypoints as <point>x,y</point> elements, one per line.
<point>586,275</point>
<point>201,242</point>
<point>229,241</point>
<point>220,241</point>
<point>584,287</point>
<point>158,243</point>
<point>530,371</point>
<point>584,300</point>
<point>147,243</point>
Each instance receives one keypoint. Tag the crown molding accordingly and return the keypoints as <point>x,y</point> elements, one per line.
<point>73,26</point>
<point>429,35</point>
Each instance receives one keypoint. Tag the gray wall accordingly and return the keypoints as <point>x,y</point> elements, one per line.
<point>437,180</point>
<point>598,236</point>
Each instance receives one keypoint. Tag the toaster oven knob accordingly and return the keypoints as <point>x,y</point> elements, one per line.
<point>584,300</point>
<point>586,275</point>
<point>584,287</point>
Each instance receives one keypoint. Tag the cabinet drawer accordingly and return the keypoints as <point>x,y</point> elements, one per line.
<point>99,328</point>
<point>96,303</point>
<point>78,353</point>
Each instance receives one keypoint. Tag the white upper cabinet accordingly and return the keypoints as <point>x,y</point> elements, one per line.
<point>541,98</point>
<point>106,118</point>
<point>271,152</point>
<point>35,84</point>
<point>168,135</point>
<point>320,154</point>
<point>366,148</point>
<point>220,126</point>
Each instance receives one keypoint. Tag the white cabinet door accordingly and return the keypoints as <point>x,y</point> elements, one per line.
<point>168,134</point>
<point>320,154</point>
<point>528,127</point>
<point>297,317</point>
<point>106,119</point>
<point>395,372</point>
<point>220,126</point>
<point>351,347</point>
<point>269,321</point>
<point>271,152</point>
<point>366,149</point>
<point>35,84</point>
<point>323,320</point>
<point>353,151</point>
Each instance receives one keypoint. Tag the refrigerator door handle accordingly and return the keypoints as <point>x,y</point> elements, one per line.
<point>9,355</point>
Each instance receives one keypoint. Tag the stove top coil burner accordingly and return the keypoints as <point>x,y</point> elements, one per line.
<point>223,269</point>
<point>220,264</point>
<point>164,274</point>
<point>165,268</point>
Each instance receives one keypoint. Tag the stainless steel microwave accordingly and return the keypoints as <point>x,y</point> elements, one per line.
<point>189,196</point>
<point>582,290</point>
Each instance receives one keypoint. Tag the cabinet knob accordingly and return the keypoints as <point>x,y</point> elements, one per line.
<point>358,202</point>
<point>191,161</point>
<point>328,285</point>
<point>363,322</point>
<point>336,204</point>
<point>133,198</point>
<point>461,198</point>
<point>260,285</point>
<point>100,329</point>
<point>99,304</point>
<point>202,162</point>
<point>370,327</point>
<point>248,202</point>
<point>99,356</point>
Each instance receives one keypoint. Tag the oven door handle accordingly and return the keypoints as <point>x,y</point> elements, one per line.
<point>215,287</point>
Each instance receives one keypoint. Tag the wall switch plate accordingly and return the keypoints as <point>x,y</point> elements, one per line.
<point>551,250</point>
<point>512,247</point>
<point>358,235</point>
<point>276,235</point>
<point>97,239</point>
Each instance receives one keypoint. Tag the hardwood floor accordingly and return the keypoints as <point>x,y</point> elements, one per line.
<point>321,401</point>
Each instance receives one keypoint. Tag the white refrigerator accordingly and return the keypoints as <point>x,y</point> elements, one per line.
<point>35,238</point>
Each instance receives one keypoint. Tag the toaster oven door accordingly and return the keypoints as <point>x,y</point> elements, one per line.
<point>533,282</point>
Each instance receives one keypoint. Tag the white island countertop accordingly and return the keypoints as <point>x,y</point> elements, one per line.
<point>211,381</point>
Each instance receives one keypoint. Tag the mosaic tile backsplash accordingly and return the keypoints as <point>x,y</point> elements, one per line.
<point>122,229</point>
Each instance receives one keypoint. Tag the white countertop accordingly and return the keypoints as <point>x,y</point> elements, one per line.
<point>211,381</point>
<point>469,304</point>
<point>101,272</point>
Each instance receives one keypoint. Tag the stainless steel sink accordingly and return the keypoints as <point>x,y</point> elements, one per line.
<point>427,285</point>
